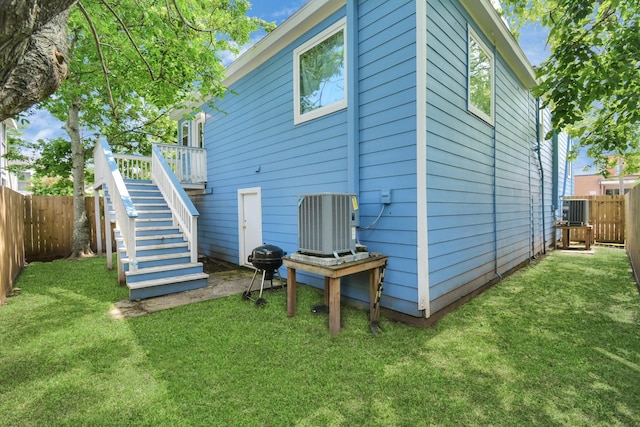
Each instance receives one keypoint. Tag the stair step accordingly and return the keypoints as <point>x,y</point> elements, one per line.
<point>161,236</point>
<point>150,206</point>
<point>167,280</point>
<point>163,271</point>
<point>148,261</point>
<point>144,223</point>
<point>149,198</point>
<point>152,288</point>
<point>153,231</point>
<point>146,241</point>
<point>161,249</point>
<point>159,213</point>
<point>133,193</point>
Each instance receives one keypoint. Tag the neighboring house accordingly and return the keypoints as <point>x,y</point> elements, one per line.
<point>597,185</point>
<point>425,102</point>
<point>6,179</point>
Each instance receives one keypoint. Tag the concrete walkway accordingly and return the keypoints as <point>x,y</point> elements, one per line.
<point>221,284</point>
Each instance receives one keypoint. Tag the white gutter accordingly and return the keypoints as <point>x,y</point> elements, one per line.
<point>422,248</point>
<point>493,26</point>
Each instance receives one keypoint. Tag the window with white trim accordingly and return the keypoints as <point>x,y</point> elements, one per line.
<point>192,132</point>
<point>185,133</point>
<point>481,76</point>
<point>320,74</point>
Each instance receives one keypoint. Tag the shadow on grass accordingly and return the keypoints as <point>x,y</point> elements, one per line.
<point>555,344</point>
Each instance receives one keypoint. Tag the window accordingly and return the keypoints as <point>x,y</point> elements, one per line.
<point>480,96</point>
<point>185,133</point>
<point>192,132</point>
<point>320,74</point>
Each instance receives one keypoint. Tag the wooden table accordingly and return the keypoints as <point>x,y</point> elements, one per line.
<point>566,235</point>
<point>332,275</point>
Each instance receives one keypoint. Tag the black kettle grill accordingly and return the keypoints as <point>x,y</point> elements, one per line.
<point>268,259</point>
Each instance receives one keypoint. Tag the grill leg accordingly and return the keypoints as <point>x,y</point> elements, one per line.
<point>264,273</point>
<point>252,279</point>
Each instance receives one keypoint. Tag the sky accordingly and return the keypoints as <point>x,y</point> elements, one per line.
<point>44,126</point>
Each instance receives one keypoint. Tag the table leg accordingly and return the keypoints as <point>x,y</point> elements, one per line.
<point>291,292</point>
<point>334,305</point>
<point>587,238</point>
<point>565,238</point>
<point>326,291</point>
<point>374,278</point>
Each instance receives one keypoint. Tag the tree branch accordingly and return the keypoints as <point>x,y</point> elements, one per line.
<point>189,24</point>
<point>104,66</point>
<point>133,43</point>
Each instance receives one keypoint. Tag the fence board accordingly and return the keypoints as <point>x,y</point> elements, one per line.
<point>607,215</point>
<point>633,230</point>
<point>12,254</point>
<point>48,226</point>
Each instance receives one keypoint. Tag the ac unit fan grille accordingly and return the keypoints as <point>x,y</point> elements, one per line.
<point>325,224</point>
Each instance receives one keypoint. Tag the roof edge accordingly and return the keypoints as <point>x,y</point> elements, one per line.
<point>308,16</point>
<point>491,23</point>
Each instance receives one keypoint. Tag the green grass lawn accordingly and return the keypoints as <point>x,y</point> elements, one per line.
<point>556,344</point>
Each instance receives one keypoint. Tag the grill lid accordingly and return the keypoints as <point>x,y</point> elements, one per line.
<point>267,257</point>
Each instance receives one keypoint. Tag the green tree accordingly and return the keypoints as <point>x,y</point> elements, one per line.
<point>591,81</point>
<point>132,62</point>
<point>49,160</point>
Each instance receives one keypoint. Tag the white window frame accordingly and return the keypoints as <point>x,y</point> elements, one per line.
<point>198,131</point>
<point>472,36</point>
<point>186,125</point>
<point>341,25</point>
<point>195,138</point>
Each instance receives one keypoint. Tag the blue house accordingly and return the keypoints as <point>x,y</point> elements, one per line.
<point>422,109</point>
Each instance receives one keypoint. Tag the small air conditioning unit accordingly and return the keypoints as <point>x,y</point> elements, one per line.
<point>575,211</point>
<point>327,223</point>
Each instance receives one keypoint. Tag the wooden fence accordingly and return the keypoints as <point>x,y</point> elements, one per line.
<point>633,230</point>
<point>12,257</point>
<point>607,215</point>
<point>48,226</point>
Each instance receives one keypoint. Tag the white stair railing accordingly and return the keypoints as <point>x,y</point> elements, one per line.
<point>106,172</point>
<point>132,166</point>
<point>188,163</point>
<point>183,211</point>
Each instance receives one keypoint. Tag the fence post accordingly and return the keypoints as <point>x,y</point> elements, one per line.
<point>96,210</point>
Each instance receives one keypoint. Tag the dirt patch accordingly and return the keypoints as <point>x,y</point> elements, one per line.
<point>212,265</point>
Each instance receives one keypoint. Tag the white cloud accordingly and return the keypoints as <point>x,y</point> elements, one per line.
<point>42,125</point>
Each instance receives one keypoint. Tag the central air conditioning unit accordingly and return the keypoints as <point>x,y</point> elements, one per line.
<point>327,223</point>
<point>575,211</point>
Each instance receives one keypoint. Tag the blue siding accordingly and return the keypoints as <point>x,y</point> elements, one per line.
<point>485,204</point>
<point>481,179</point>
<point>254,127</point>
<point>387,136</point>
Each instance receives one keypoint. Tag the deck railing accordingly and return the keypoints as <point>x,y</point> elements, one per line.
<point>189,164</point>
<point>183,211</point>
<point>132,166</point>
<point>108,174</point>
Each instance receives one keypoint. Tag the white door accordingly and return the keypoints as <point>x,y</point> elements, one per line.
<point>249,221</point>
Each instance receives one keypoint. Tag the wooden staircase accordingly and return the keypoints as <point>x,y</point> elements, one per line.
<point>163,260</point>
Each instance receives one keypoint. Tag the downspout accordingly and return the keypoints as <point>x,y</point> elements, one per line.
<point>495,179</point>
<point>532,249</point>
<point>353,110</point>
<point>566,168</point>
<point>422,240</point>
<point>541,170</point>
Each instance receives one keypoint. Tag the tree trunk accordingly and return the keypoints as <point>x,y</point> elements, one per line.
<point>80,245</point>
<point>33,48</point>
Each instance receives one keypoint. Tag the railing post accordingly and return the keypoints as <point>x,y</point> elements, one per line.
<point>194,239</point>
<point>107,235</point>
